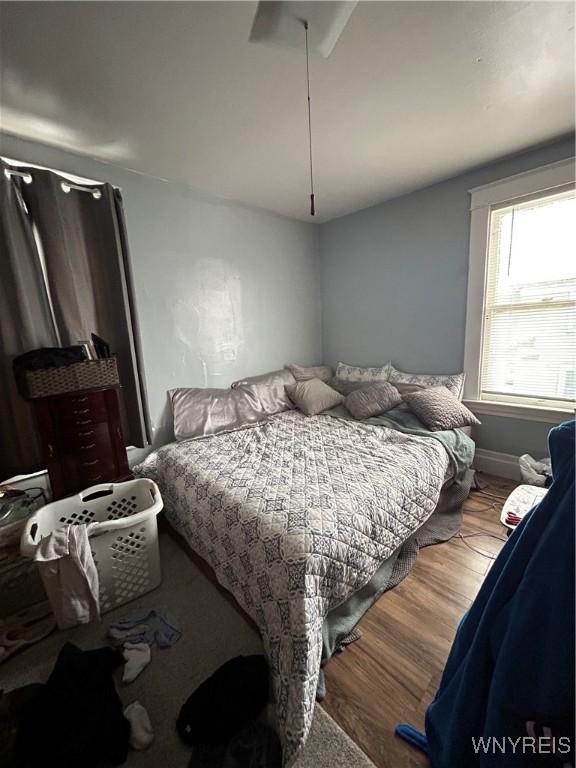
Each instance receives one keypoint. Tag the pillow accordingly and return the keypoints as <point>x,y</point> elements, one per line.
<point>372,400</point>
<point>439,409</point>
<point>269,389</point>
<point>200,412</point>
<point>452,381</point>
<point>405,389</point>
<point>345,387</point>
<point>303,373</point>
<point>367,375</point>
<point>313,396</point>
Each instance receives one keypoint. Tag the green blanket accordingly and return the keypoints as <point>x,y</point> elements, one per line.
<point>460,447</point>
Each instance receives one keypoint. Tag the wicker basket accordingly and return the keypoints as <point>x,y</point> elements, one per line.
<point>89,374</point>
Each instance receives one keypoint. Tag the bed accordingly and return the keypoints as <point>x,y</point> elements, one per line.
<point>297,515</point>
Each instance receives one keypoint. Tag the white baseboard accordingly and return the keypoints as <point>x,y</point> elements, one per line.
<point>496,463</point>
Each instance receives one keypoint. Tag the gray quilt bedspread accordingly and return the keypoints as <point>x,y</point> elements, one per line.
<point>460,447</point>
<point>294,516</point>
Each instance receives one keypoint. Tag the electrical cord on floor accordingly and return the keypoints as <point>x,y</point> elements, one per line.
<point>494,506</point>
<point>495,496</point>
<point>465,536</point>
<point>491,507</point>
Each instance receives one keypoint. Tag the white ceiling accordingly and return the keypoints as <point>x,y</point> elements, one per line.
<point>413,92</point>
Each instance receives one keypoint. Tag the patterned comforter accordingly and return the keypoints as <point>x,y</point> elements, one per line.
<point>294,516</point>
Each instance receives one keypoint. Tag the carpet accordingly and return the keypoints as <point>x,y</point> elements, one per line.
<point>213,632</point>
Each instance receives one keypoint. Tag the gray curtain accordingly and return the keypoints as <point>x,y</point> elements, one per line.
<point>25,323</point>
<point>132,321</point>
<point>84,249</point>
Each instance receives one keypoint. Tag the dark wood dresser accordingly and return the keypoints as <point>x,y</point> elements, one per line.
<point>81,438</point>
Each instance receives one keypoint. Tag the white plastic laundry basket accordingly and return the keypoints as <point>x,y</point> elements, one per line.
<point>124,538</point>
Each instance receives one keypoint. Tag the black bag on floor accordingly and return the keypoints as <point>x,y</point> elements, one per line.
<point>225,703</point>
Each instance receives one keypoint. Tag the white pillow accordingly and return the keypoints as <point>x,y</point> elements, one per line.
<point>346,372</point>
<point>454,382</point>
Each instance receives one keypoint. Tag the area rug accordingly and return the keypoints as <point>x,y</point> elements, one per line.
<point>213,631</point>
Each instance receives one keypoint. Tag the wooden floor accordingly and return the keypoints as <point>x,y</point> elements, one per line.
<point>391,674</point>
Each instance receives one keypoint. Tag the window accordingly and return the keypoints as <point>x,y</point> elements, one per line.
<point>529,337</point>
<point>521,322</point>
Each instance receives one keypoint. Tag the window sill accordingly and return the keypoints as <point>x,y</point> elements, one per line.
<point>522,412</point>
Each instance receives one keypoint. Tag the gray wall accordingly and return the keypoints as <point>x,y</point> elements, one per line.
<point>394,284</point>
<point>222,291</point>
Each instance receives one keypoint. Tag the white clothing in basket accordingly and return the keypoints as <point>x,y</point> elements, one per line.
<point>69,575</point>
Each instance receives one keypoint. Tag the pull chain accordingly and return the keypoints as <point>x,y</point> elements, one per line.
<point>312,208</point>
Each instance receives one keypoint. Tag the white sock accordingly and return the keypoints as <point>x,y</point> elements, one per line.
<point>141,733</point>
<point>136,657</point>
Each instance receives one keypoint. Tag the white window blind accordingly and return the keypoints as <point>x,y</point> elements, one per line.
<point>529,331</point>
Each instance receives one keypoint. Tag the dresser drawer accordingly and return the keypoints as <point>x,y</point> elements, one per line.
<point>81,412</point>
<point>84,440</point>
<point>97,470</point>
<point>82,472</point>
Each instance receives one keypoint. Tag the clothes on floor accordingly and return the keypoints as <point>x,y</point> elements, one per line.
<point>141,733</point>
<point>136,657</point>
<point>69,575</point>
<point>76,719</point>
<point>156,627</point>
<point>225,703</point>
<point>255,746</point>
<point>510,673</point>
<point>220,720</point>
<point>12,705</point>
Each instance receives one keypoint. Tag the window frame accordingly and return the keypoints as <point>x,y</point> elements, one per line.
<point>484,199</point>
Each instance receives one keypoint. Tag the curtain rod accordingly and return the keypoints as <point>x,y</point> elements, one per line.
<point>66,186</point>
<point>69,180</point>
<point>26,176</point>
<point>94,191</point>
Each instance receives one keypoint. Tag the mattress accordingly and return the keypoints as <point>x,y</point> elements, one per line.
<point>294,516</point>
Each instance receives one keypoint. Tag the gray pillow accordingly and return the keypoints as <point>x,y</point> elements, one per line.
<point>345,387</point>
<point>346,372</point>
<point>200,412</point>
<point>405,389</point>
<point>305,373</point>
<point>313,396</point>
<point>372,400</point>
<point>452,381</point>
<point>269,389</point>
<point>439,409</point>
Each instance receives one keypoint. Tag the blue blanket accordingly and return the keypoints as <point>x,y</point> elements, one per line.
<point>459,446</point>
<point>510,674</point>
